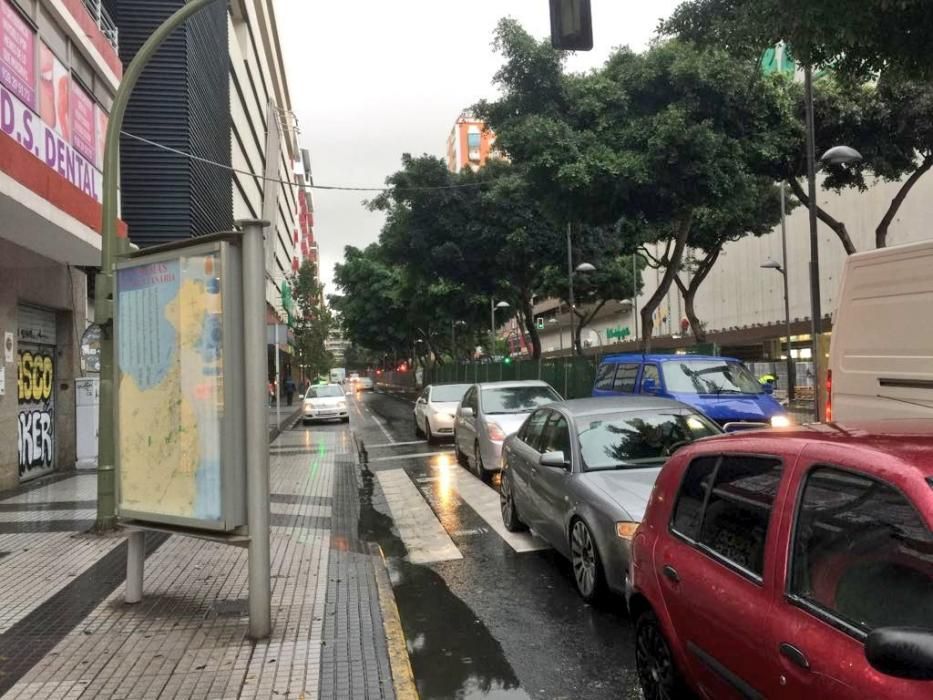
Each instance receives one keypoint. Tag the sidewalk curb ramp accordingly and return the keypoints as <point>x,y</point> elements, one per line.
<point>402,677</point>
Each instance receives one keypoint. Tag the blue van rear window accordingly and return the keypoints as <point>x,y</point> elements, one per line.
<point>625,378</point>
<point>604,377</point>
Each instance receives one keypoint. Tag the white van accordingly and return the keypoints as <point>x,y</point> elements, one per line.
<point>881,352</point>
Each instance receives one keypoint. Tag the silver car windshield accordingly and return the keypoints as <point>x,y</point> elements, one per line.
<point>323,392</point>
<point>517,399</point>
<point>631,440</point>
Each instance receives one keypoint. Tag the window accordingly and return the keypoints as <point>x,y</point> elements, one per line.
<point>638,439</point>
<point>323,392</point>
<point>862,553</point>
<point>650,374</point>
<point>709,377</point>
<point>450,393</point>
<point>556,436</point>
<point>531,433</point>
<point>625,378</point>
<point>604,377</point>
<point>731,520</point>
<point>469,399</point>
<point>517,399</point>
<point>688,513</point>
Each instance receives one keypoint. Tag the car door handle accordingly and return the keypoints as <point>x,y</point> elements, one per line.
<point>794,655</point>
<point>670,573</point>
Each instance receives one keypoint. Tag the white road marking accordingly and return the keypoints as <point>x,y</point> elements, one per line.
<point>398,444</point>
<point>414,455</point>
<point>425,538</point>
<point>485,501</point>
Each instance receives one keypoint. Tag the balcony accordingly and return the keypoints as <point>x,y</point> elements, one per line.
<point>104,22</point>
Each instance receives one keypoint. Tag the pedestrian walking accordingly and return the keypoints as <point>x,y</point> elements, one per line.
<point>290,390</point>
<point>271,389</point>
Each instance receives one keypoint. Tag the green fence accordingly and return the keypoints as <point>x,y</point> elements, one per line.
<point>572,377</point>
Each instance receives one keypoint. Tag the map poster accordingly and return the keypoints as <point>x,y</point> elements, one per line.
<point>170,383</point>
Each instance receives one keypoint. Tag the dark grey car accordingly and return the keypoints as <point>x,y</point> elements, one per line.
<point>579,473</point>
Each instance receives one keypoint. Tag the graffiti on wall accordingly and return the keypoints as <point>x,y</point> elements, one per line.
<point>35,384</point>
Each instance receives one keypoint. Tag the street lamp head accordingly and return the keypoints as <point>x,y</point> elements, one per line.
<point>841,155</point>
<point>552,321</point>
<point>772,265</point>
<point>503,305</point>
<point>586,267</point>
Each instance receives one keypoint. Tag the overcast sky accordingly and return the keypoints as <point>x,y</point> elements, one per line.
<point>373,79</point>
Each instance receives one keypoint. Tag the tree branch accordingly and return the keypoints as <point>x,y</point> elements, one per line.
<point>881,233</point>
<point>840,228</point>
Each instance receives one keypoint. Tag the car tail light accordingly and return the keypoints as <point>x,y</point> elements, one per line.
<point>495,432</point>
<point>829,396</point>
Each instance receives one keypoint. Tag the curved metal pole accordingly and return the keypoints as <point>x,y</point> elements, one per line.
<point>106,453</point>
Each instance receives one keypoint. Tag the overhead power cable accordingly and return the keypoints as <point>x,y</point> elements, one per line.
<point>330,188</point>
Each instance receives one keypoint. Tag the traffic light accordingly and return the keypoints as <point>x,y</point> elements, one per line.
<point>507,361</point>
<point>571,25</point>
<point>539,323</point>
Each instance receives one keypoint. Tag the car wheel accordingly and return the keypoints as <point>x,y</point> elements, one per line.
<point>507,505</point>
<point>654,661</point>
<point>587,569</point>
<point>461,458</point>
<point>481,472</point>
<point>418,432</point>
<point>429,436</point>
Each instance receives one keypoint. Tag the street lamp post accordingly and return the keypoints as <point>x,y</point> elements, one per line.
<point>493,306</point>
<point>772,265</point>
<point>835,156</point>
<point>582,267</point>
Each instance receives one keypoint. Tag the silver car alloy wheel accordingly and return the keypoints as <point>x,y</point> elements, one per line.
<point>505,501</point>
<point>583,553</point>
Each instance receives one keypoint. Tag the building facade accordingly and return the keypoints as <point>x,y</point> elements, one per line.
<point>742,304</point>
<point>470,144</point>
<point>59,70</point>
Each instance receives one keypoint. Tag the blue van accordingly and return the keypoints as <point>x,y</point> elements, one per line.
<point>720,387</point>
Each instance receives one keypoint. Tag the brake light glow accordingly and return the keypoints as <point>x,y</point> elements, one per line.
<point>495,432</point>
<point>829,396</point>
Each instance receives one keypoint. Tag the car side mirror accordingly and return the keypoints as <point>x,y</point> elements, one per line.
<point>466,412</point>
<point>649,386</point>
<point>554,460</point>
<point>902,652</point>
<point>768,388</point>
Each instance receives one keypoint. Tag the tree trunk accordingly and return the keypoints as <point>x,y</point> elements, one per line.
<point>673,266</point>
<point>584,320</point>
<point>837,226</point>
<point>529,313</point>
<point>881,233</point>
<point>690,292</point>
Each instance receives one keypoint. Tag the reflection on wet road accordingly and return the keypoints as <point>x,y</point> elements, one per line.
<point>504,621</point>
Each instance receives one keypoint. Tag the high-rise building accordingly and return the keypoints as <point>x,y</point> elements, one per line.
<point>470,144</point>
<point>59,70</point>
<point>217,90</point>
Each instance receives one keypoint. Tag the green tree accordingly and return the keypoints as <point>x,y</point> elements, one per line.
<point>887,118</point>
<point>858,39</point>
<point>644,144</point>
<point>313,322</point>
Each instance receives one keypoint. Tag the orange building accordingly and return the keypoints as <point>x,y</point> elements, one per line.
<point>470,144</point>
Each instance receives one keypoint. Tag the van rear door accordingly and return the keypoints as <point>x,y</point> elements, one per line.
<point>881,354</point>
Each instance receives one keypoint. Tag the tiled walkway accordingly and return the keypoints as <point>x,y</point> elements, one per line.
<point>65,631</point>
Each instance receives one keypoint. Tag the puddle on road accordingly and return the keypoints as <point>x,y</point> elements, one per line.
<point>453,654</point>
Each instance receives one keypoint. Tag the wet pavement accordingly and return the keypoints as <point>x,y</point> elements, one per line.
<point>503,620</point>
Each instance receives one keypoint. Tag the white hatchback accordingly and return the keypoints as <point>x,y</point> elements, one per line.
<point>435,410</point>
<point>325,402</point>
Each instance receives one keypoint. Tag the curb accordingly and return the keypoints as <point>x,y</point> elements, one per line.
<point>285,425</point>
<point>403,679</point>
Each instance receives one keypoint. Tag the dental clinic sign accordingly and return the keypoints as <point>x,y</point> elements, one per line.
<point>67,135</point>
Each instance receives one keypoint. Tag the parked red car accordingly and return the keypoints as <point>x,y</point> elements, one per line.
<point>789,564</point>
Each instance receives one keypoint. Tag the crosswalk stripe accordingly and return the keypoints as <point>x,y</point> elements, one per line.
<point>422,533</point>
<point>484,499</point>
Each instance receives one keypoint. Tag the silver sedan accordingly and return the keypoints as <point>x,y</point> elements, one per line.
<point>579,473</point>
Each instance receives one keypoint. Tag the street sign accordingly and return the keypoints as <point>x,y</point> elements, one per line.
<point>180,413</point>
<point>618,333</point>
